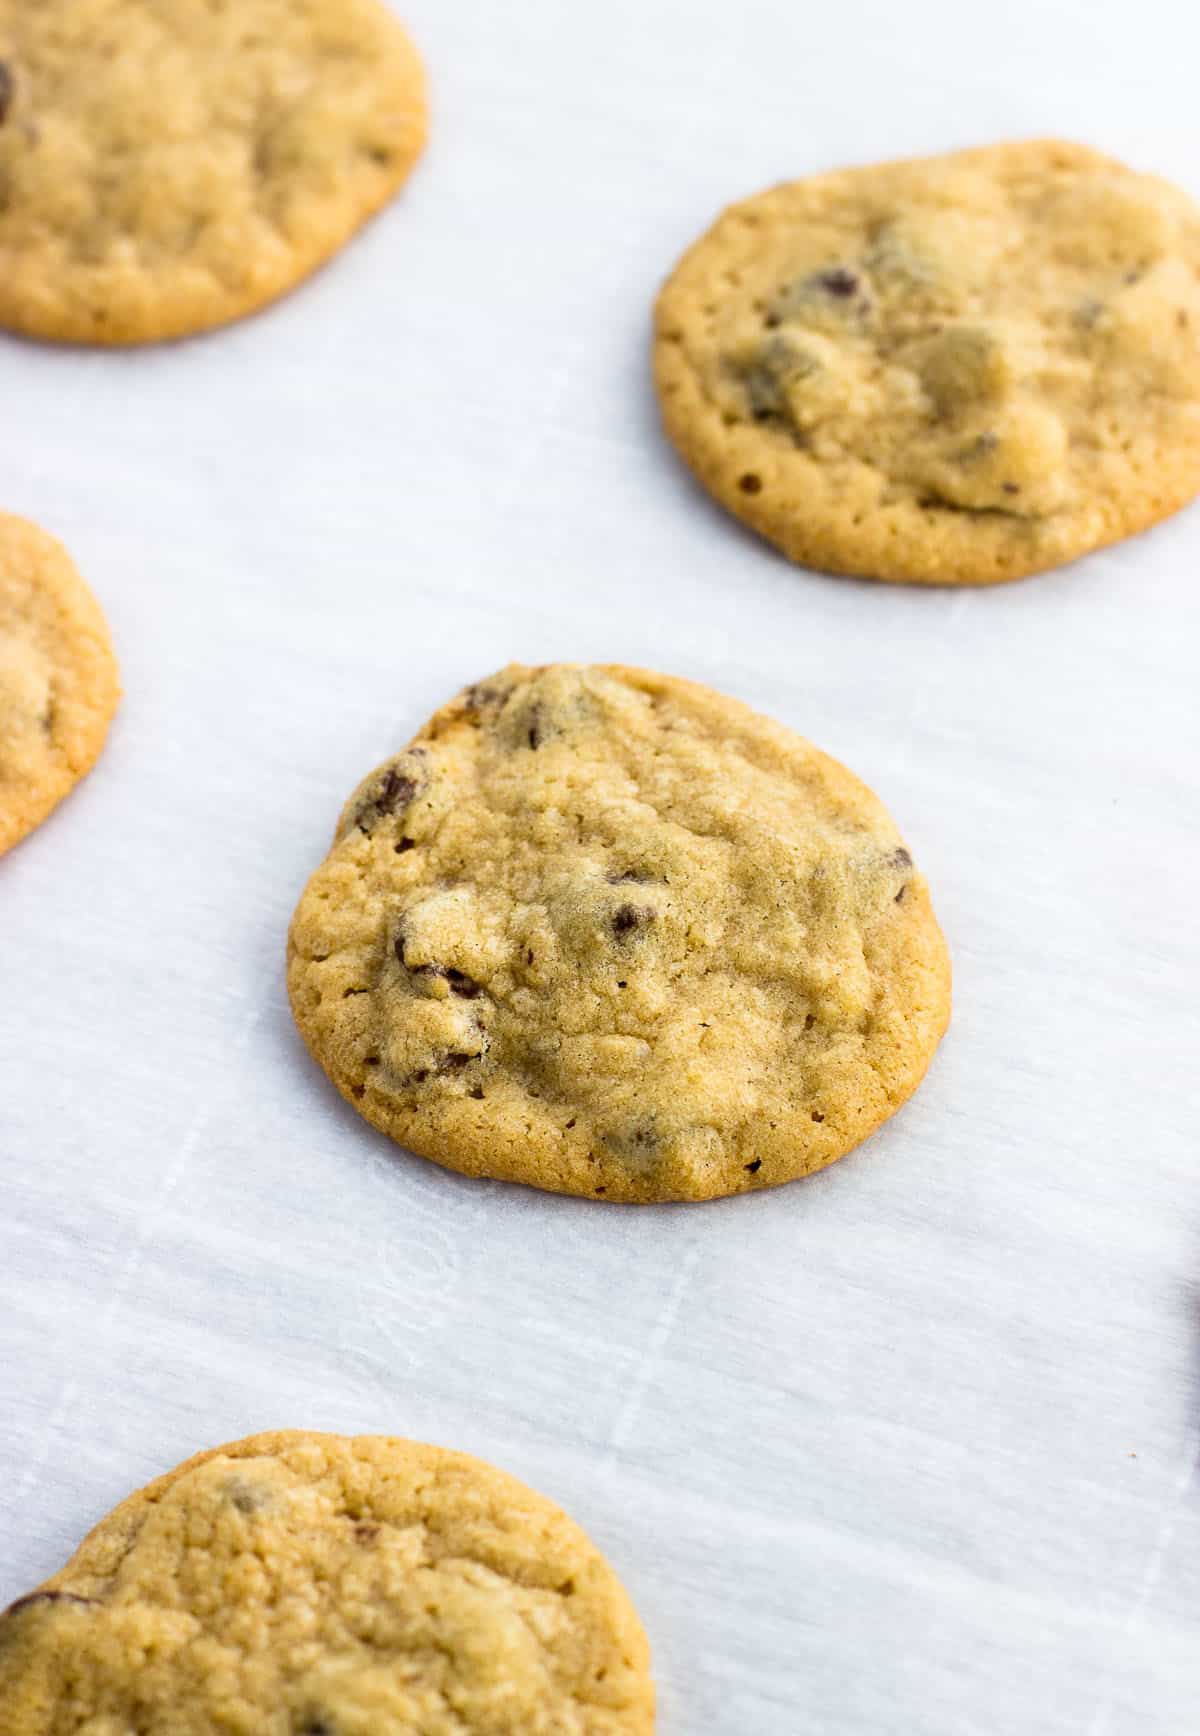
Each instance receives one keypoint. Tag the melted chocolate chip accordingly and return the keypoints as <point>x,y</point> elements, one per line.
<point>247,1497</point>
<point>628,917</point>
<point>485,696</point>
<point>7,89</point>
<point>44,1597</point>
<point>394,792</point>
<point>753,1167</point>
<point>454,1061</point>
<point>839,282</point>
<point>461,984</point>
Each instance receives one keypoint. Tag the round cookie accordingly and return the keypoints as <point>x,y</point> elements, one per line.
<point>950,371</point>
<point>613,934</point>
<point>170,165</point>
<point>299,1584</point>
<point>58,677</point>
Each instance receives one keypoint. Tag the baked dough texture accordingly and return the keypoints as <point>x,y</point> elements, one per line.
<point>58,677</point>
<point>954,370</point>
<point>299,1584</point>
<point>613,934</point>
<point>169,165</point>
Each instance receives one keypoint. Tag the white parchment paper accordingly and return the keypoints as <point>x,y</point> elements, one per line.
<point>910,1448</point>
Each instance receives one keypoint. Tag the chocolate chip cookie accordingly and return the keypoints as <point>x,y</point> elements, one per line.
<point>58,677</point>
<point>951,371</point>
<point>300,1584</point>
<point>612,934</point>
<point>169,165</point>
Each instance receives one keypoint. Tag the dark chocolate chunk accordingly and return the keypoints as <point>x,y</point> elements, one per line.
<point>7,90</point>
<point>395,792</point>
<point>753,1167</point>
<point>838,281</point>
<point>463,985</point>
<point>247,1497</point>
<point>460,984</point>
<point>627,917</point>
<point>486,696</point>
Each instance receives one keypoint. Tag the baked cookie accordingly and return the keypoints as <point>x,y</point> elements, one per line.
<point>950,371</point>
<point>58,677</point>
<point>613,934</point>
<point>300,1584</point>
<point>169,165</point>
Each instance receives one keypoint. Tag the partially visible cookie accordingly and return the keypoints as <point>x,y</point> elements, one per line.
<point>58,677</point>
<point>299,1584</point>
<point>169,165</point>
<point>613,934</point>
<point>951,371</point>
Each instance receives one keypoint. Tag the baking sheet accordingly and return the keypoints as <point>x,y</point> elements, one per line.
<point>910,1447</point>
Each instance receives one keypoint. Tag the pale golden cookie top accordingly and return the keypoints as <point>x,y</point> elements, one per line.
<point>613,934</point>
<point>301,1584</point>
<point>58,677</point>
<point>167,165</point>
<point>957,369</point>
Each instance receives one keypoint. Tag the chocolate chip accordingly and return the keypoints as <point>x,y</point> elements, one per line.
<point>753,1167</point>
<point>536,735</point>
<point>1010,487</point>
<point>365,1532</point>
<point>247,1497</point>
<point>750,483</point>
<point>485,696</point>
<point>393,794</point>
<point>627,917</point>
<point>838,281</point>
<point>316,1727</point>
<point>7,89</point>
<point>454,1062</point>
<point>630,877</point>
<point>44,1597</point>
<point>459,983</point>
<point>901,858</point>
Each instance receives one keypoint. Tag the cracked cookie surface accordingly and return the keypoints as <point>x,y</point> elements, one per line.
<point>169,165</point>
<point>953,370</point>
<point>299,1584</point>
<point>613,934</point>
<point>58,677</point>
